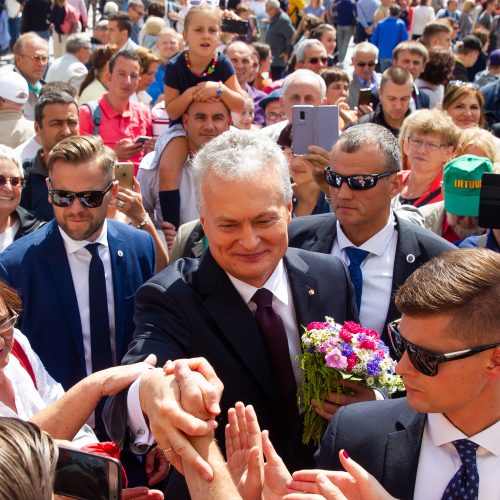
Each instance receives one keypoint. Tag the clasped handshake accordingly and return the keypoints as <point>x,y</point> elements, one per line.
<point>181,405</point>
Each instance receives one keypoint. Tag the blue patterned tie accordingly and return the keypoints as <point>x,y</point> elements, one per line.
<point>356,257</point>
<point>464,485</point>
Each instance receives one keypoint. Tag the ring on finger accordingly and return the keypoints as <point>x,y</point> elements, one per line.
<point>167,450</point>
<point>120,203</point>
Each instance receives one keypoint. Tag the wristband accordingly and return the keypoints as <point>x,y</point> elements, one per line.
<point>143,223</point>
<point>219,90</point>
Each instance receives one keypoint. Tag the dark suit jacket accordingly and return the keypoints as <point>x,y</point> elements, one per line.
<point>415,246</point>
<point>192,309</point>
<point>37,266</point>
<point>384,437</point>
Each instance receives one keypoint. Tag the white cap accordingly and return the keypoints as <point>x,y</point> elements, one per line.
<point>13,87</point>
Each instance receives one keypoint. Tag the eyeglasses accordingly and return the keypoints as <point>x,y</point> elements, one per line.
<point>358,182</point>
<point>427,362</point>
<point>14,181</point>
<point>459,83</point>
<point>275,116</point>
<point>8,323</point>
<point>38,59</point>
<point>363,64</point>
<point>430,146</point>
<point>89,199</point>
<point>316,60</point>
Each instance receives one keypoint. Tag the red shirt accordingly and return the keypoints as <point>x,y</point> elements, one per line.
<point>448,233</point>
<point>432,195</point>
<point>133,122</point>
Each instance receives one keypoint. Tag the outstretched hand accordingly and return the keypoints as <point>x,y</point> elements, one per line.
<point>354,484</point>
<point>244,451</point>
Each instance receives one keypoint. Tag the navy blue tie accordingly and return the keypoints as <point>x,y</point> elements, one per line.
<point>273,334</point>
<point>464,485</point>
<point>100,338</point>
<point>356,257</point>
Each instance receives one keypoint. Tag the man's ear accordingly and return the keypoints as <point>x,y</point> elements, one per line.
<point>396,183</point>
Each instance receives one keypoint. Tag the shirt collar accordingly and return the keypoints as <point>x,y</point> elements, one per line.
<point>111,112</point>
<point>277,284</point>
<point>377,244</point>
<point>442,432</point>
<point>72,246</point>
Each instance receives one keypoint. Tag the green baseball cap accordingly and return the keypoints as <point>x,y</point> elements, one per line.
<point>462,184</point>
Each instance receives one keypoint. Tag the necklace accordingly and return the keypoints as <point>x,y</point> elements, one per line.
<point>208,71</point>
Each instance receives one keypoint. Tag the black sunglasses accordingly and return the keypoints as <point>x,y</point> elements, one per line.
<point>363,64</point>
<point>358,182</point>
<point>14,181</point>
<point>424,361</point>
<point>316,60</point>
<point>89,199</point>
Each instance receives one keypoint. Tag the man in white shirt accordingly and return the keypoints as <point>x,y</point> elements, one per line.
<point>445,434</point>
<point>71,67</point>
<point>80,272</point>
<point>364,176</point>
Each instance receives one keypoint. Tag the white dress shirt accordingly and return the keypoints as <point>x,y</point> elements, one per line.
<point>279,285</point>
<point>79,262</point>
<point>377,269</point>
<point>439,460</point>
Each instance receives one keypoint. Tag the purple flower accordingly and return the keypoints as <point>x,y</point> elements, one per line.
<point>334,359</point>
<point>346,349</point>
<point>373,366</point>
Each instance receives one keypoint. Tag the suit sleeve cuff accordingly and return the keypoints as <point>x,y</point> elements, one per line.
<point>140,435</point>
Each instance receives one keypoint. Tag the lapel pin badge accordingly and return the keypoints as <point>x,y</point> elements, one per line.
<point>311,292</point>
<point>410,258</point>
<point>120,253</point>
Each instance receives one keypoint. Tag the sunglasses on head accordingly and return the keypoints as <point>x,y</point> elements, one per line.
<point>14,181</point>
<point>316,60</point>
<point>460,83</point>
<point>88,199</point>
<point>358,182</point>
<point>363,64</point>
<point>424,361</point>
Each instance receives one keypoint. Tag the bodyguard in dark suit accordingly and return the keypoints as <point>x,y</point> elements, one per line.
<point>51,267</point>
<point>213,306</point>
<point>364,220</point>
<point>445,435</point>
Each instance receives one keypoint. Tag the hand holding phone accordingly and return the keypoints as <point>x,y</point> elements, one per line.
<point>142,139</point>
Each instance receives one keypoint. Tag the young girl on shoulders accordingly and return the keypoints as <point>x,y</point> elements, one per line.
<point>200,73</point>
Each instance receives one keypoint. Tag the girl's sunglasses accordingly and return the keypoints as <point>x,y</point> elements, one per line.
<point>424,361</point>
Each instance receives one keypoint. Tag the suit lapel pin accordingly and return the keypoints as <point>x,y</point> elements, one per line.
<point>120,253</point>
<point>410,258</point>
<point>311,292</point>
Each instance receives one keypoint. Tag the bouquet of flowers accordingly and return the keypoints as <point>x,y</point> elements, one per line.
<point>332,353</point>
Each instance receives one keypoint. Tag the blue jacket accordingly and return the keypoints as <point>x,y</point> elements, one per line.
<point>37,266</point>
<point>388,33</point>
<point>157,88</point>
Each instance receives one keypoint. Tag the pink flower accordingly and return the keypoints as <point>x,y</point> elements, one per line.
<point>368,344</point>
<point>352,327</point>
<point>316,325</point>
<point>346,336</point>
<point>334,359</point>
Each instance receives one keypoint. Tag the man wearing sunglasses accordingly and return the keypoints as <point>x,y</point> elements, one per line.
<point>363,177</point>
<point>79,273</point>
<point>311,54</point>
<point>445,435</point>
<point>364,60</point>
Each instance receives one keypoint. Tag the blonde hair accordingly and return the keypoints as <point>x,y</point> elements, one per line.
<point>154,25</point>
<point>481,139</point>
<point>454,94</point>
<point>147,58</point>
<point>203,9</point>
<point>81,149</point>
<point>28,458</point>
<point>9,155</point>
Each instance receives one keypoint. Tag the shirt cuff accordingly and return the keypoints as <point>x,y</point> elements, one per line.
<point>140,435</point>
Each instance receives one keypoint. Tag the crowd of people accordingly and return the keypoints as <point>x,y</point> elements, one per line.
<point>162,243</point>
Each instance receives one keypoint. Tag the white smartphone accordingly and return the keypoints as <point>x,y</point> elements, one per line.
<point>314,126</point>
